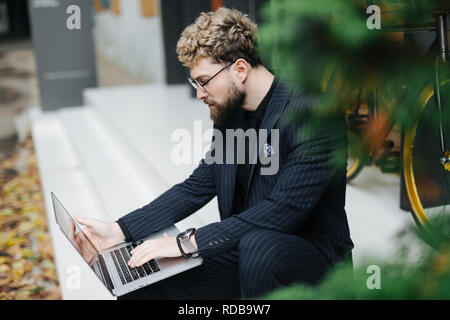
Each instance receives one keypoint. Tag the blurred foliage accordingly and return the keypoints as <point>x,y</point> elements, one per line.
<point>27,269</point>
<point>326,49</point>
<point>403,278</point>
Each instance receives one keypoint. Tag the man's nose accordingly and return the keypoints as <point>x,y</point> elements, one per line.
<point>201,93</point>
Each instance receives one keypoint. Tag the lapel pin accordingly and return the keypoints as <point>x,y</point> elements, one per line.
<point>268,150</point>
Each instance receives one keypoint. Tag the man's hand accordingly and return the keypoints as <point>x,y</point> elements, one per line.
<point>150,249</point>
<point>102,234</point>
<point>80,241</point>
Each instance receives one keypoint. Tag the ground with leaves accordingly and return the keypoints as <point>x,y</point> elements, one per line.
<point>27,269</point>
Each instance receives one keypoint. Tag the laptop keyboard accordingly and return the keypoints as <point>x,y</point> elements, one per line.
<point>122,256</point>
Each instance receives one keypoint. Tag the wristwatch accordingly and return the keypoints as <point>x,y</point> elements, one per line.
<point>183,238</point>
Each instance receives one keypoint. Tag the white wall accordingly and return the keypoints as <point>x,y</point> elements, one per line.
<point>133,41</point>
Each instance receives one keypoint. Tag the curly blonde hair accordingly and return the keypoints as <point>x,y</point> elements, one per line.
<point>224,35</point>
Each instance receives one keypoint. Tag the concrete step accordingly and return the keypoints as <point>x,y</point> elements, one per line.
<point>119,186</point>
<point>147,119</point>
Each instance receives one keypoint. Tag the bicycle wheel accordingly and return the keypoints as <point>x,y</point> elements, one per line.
<point>354,167</point>
<point>355,161</point>
<point>427,177</point>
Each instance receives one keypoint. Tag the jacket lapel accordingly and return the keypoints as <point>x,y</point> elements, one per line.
<point>274,109</point>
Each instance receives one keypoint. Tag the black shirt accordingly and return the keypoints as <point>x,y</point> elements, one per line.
<point>252,120</point>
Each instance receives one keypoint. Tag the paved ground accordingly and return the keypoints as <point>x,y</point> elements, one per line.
<point>19,86</point>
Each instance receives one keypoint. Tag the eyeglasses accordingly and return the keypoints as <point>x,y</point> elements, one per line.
<point>196,84</point>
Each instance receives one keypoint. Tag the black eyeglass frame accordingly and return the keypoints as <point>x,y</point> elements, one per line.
<point>195,83</point>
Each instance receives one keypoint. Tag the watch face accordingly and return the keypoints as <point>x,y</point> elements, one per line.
<point>188,233</point>
<point>184,238</point>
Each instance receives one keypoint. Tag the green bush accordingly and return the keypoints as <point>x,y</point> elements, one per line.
<point>426,279</point>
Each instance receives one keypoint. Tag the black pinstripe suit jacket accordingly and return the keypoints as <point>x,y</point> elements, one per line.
<point>305,197</point>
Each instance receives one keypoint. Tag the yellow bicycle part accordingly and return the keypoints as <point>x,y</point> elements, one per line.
<point>446,163</point>
<point>410,182</point>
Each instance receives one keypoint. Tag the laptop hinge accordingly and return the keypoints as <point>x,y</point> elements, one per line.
<point>105,273</point>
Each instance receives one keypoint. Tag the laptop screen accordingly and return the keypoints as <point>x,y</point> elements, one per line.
<point>73,232</point>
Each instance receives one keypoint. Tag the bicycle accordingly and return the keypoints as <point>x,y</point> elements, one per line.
<point>423,159</point>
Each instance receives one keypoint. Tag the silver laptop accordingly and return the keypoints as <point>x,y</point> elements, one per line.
<point>111,265</point>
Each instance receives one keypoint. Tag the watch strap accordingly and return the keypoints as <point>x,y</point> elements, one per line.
<point>184,238</point>
<point>184,254</point>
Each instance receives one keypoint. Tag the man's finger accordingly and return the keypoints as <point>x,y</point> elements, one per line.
<point>142,246</point>
<point>143,259</point>
<point>136,258</point>
<point>85,221</point>
<point>71,230</point>
<point>131,261</point>
<point>91,236</point>
<point>135,254</point>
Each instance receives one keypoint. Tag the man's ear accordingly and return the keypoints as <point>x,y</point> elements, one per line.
<point>241,67</point>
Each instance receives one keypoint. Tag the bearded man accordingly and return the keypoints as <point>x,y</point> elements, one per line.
<point>275,229</point>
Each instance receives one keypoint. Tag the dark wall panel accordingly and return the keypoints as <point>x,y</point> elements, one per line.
<point>250,7</point>
<point>176,15</point>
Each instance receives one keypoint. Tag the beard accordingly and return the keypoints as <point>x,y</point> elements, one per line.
<point>222,113</point>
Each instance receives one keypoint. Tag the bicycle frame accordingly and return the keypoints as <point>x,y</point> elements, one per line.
<point>443,57</point>
<point>442,36</point>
